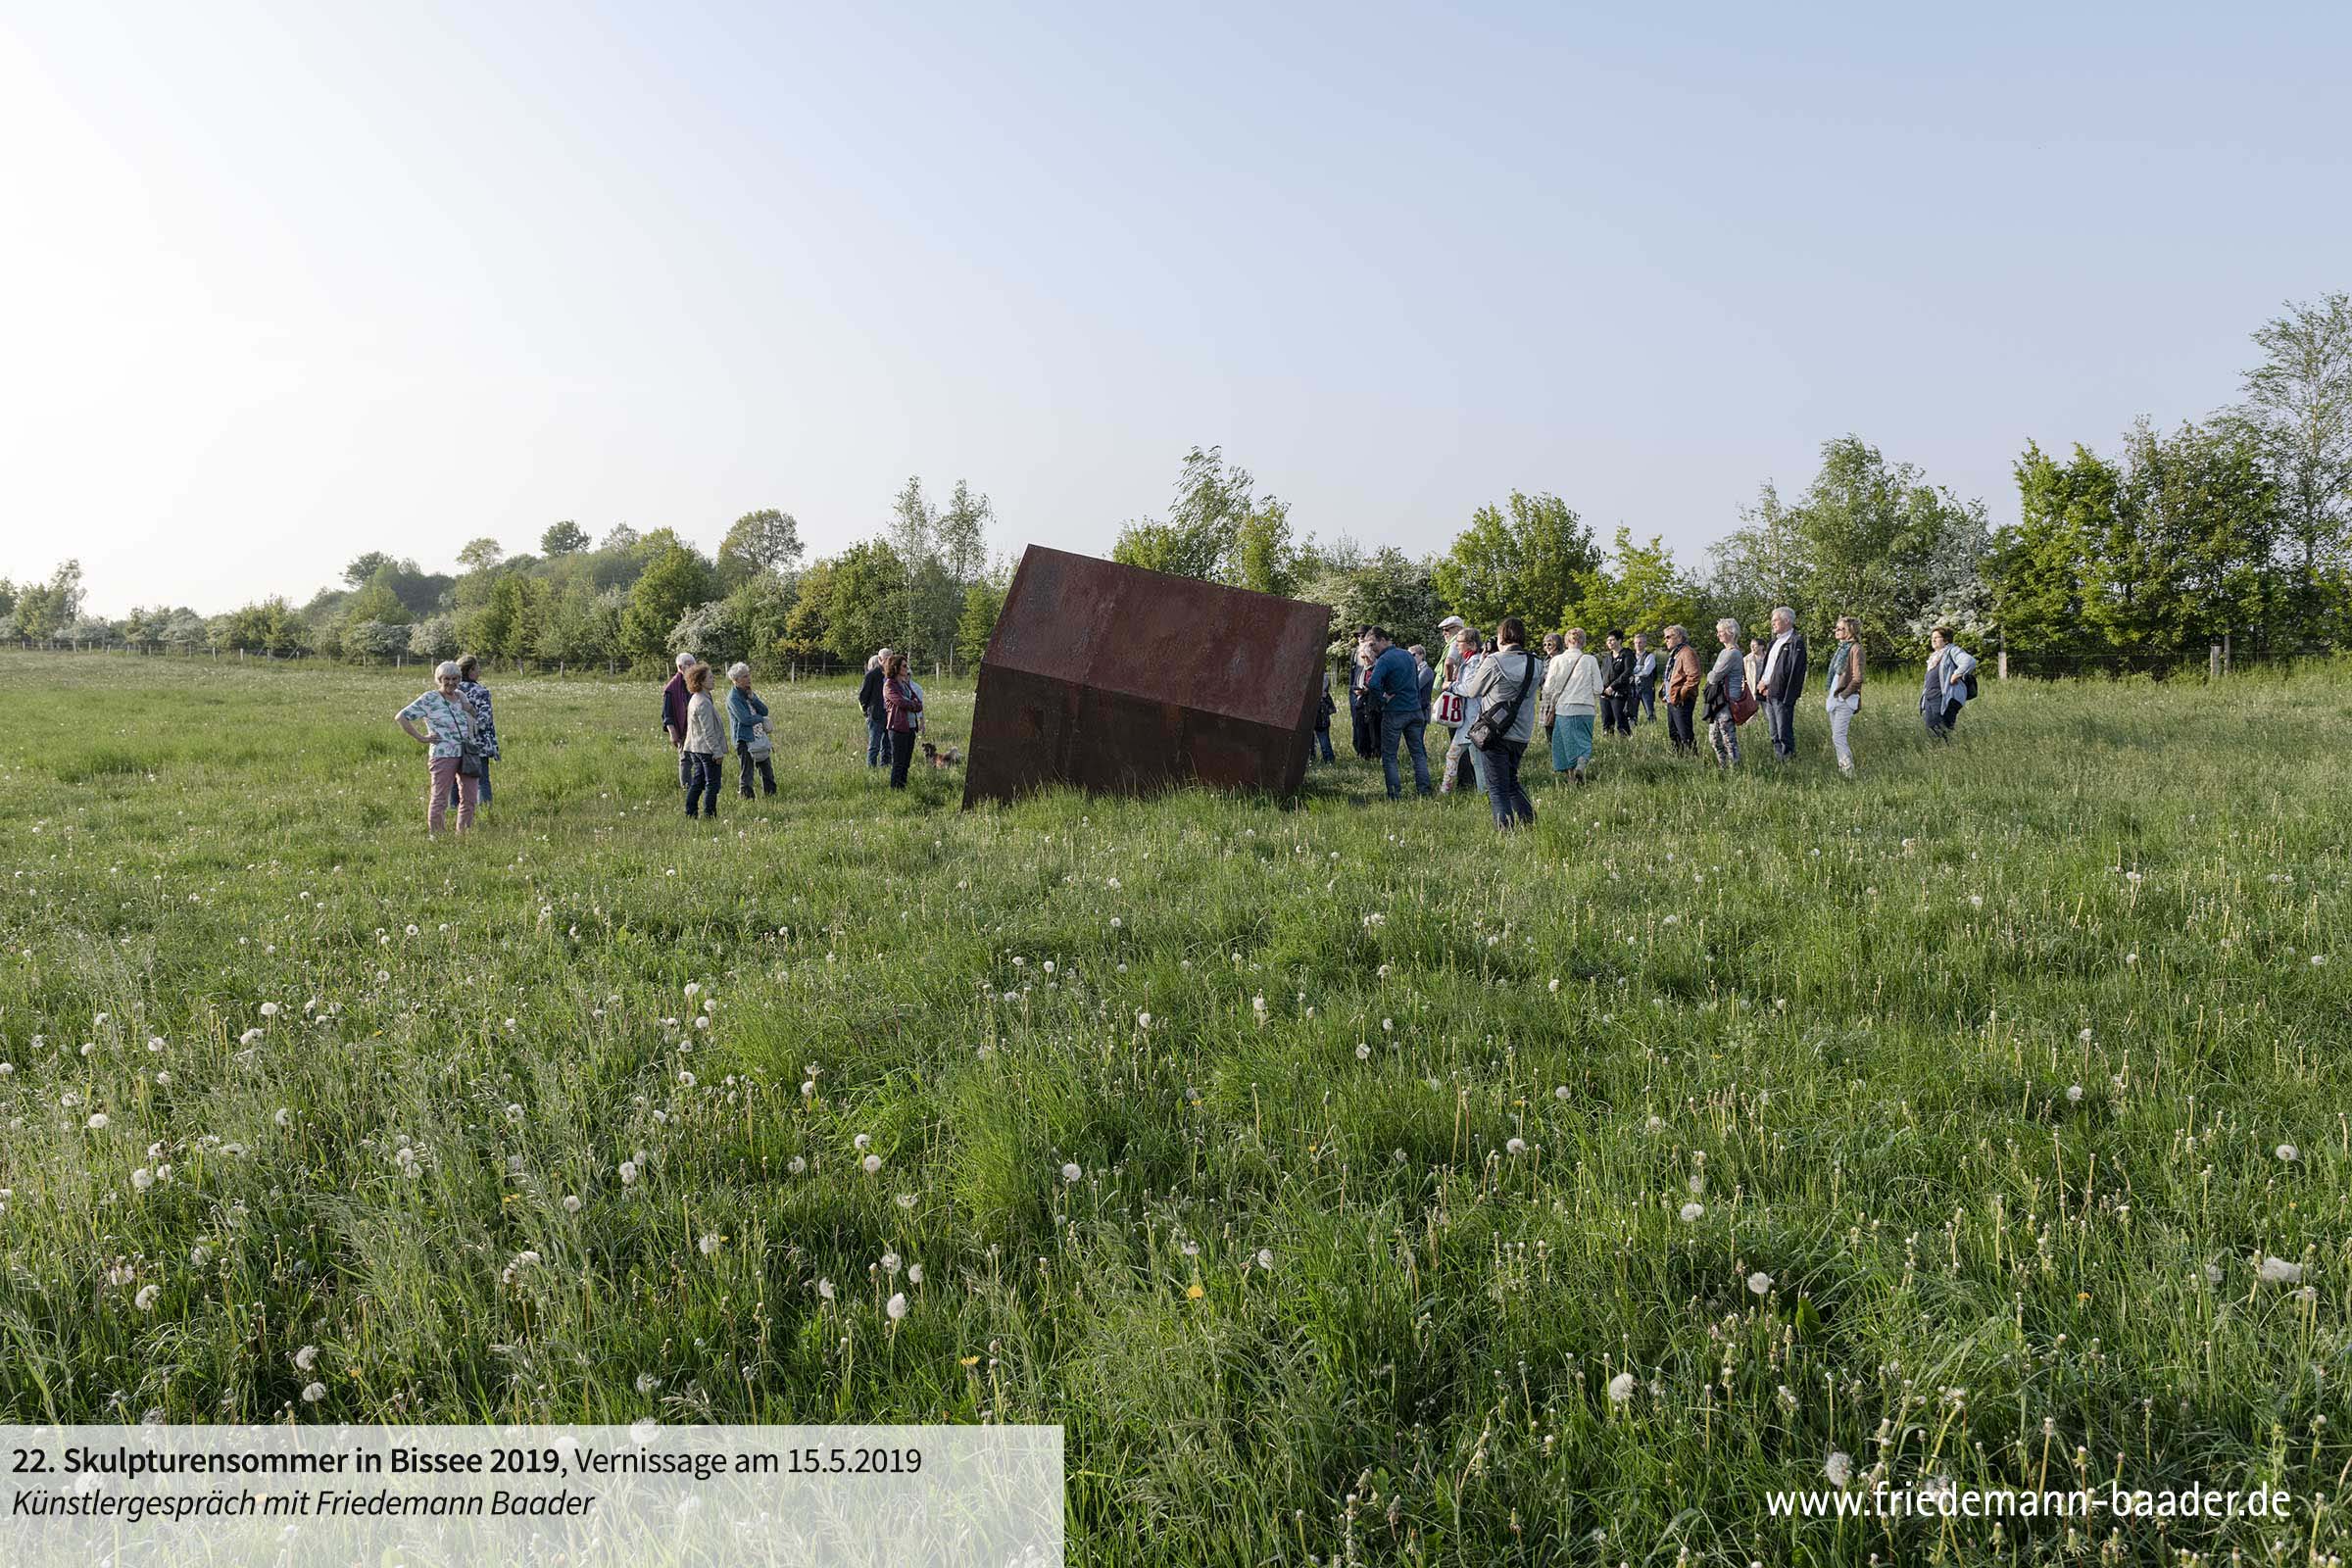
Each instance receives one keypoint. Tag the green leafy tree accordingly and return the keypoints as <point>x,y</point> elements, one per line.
<point>186,632</point>
<point>563,539</point>
<point>434,638</point>
<point>2296,413</point>
<point>44,610</point>
<point>1216,518</point>
<point>1639,590</point>
<point>2036,567</point>
<point>364,568</point>
<point>1387,588</point>
<point>676,581</point>
<point>761,606</point>
<point>807,628</point>
<point>481,555</point>
<point>1262,557</point>
<point>960,534</point>
<point>1521,559</point>
<point>763,541</point>
<point>375,602</point>
<point>983,601</point>
<point>866,606</point>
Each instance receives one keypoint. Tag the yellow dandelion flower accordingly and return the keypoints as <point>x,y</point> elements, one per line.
<point>1193,1292</point>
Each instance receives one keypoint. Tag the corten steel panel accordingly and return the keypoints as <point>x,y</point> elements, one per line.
<point>1126,681</point>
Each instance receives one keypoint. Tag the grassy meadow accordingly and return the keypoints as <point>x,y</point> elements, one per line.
<point>1353,1185</point>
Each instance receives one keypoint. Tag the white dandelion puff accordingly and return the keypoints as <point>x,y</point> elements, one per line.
<point>1621,1389</point>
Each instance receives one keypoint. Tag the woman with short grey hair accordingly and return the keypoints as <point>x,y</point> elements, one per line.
<point>752,744</point>
<point>1724,684</point>
<point>448,737</point>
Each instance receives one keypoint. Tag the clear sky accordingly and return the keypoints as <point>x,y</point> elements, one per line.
<point>282,284</point>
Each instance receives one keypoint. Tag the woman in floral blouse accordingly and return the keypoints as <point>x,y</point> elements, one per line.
<point>448,729</point>
<point>485,726</point>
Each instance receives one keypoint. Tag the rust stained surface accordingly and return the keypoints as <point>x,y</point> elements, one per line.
<point>1124,681</point>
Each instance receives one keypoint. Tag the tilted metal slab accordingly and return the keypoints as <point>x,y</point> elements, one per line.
<point>1129,682</point>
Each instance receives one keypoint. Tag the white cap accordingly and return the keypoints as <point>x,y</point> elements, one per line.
<point>1450,622</point>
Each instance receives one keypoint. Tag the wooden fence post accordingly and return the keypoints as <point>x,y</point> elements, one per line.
<point>2001,671</point>
<point>2213,661</point>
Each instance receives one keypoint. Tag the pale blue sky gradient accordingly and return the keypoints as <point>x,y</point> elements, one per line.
<point>279,284</point>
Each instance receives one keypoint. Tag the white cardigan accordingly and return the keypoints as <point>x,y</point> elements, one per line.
<point>1572,682</point>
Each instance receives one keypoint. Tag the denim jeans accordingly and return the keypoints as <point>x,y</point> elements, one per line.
<point>746,765</point>
<point>1648,692</point>
<point>1780,714</point>
<point>704,775</point>
<point>877,737</point>
<point>1504,793</point>
<point>1393,728</point>
<point>1323,744</point>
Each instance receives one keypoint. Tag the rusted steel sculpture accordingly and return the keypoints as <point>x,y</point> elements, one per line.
<point>1128,682</point>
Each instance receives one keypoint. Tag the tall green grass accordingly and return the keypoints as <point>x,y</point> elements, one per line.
<point>1384,1128</point>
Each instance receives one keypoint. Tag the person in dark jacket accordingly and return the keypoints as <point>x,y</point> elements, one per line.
<point>1617,699</point>
<point>877,719</point>
<point>1363,712</point>
<point>674,698</point>
<point>1783,682</point>
<point>1645,677</point>
<point>486,724</point>
<point>1324,709</point>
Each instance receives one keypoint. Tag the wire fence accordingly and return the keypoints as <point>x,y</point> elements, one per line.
<point>2217,661</point>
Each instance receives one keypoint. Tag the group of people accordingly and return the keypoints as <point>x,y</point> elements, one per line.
<point>1492,701</point>
<point>1482,696</point>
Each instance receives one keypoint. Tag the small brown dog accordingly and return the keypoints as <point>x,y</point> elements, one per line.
<point>937,758</point>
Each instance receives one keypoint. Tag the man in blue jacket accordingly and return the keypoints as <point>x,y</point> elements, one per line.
<point>1393,689</point>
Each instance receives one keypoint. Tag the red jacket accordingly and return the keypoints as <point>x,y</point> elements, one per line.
<point>900,704</point>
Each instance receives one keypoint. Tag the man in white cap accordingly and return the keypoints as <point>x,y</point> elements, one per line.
<point>673,713</point>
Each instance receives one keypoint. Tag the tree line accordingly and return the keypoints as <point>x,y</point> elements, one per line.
<point>2239,525</point>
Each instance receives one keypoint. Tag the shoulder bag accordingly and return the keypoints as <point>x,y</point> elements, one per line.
<point>1494,723</point>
